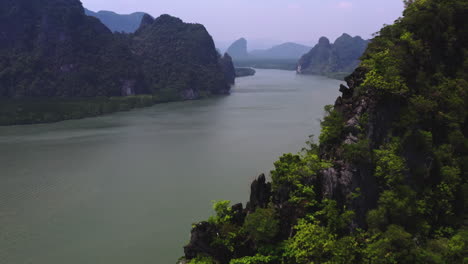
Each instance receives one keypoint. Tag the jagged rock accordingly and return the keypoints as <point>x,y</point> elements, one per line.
<point>260,193</point>
<point>347,93</point>
<point>228,69</point>
<point>238,49</point>
<point>238,214</point>
<point>201,242</point>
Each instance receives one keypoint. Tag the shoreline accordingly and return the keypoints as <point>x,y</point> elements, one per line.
<point>33,111</point>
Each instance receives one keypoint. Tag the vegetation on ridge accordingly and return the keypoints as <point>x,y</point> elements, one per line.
<point>400,131</point>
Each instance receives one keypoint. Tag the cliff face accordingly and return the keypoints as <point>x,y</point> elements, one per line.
<point>50,48</point>
<point>178,57</point>
<point>388,182</point>
<point>238,49</point>
<point>339,57</point>
<point>228,68</point>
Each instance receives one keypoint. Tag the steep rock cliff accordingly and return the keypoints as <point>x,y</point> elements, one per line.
<point>228,68</point>
<point>178,58</point>
<point>238,49</point>
<point>340,57</point>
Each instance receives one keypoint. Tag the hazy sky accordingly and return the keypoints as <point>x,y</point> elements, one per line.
<point>267,22</point>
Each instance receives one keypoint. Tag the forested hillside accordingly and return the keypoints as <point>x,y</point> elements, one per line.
<point>51,49</point>
<point>387,181</point>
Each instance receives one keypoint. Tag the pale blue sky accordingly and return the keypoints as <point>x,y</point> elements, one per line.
<point>268,22</point>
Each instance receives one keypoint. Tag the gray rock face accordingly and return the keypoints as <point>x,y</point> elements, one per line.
<point>238,49</point>
<point>228,68</point>
<point>260,193</point>
<point>339,57</point>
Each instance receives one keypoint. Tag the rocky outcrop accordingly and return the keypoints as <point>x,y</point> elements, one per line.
<point>339,57</point>
<point>317,60</point>
<point>260,194</point>
<point>244,72</point>
<point>238,49</point>
<point>228,68</point>
<point>201,242</point>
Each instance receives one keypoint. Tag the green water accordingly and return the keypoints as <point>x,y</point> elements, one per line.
<point>125,188</point>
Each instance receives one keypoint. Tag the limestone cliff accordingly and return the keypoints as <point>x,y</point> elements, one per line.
<point>341,57</point>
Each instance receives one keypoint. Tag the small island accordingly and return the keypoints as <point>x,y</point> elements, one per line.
<point>244,72</point>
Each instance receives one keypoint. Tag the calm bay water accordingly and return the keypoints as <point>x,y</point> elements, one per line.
<point>125,188</point>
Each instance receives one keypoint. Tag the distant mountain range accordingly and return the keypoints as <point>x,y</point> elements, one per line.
<point>288,50</point>
<point>335,60</point>
<point>117,22</point>
<point>239,51</point>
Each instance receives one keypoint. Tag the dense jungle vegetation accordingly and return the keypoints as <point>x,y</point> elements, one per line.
<point>388,180</point>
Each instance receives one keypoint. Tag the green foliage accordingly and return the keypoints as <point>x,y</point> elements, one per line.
<point>390,167</point>
<point>357,152</point>
<point>409,164</point>
<point>257,259</point>
<point>336,220</point>
<point>223,212</point>
<point>394,246</point>
<point>296,172</point>
<point>311,243</point>
<point>291,169</point>
<point>332,126</point>
<point>262,225</point>
<point>202,260</point>
<point>384,74</point>
<point>31,111</point>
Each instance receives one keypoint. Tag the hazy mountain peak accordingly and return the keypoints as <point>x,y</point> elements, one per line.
<point>287,50</point>
<point>117,22</point>
<point>146,20</point>
<point>238,49</point>
<point>167,19</point>
<point>324,41</point>
<point>339,57</point>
